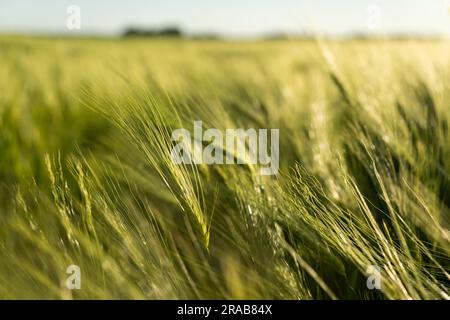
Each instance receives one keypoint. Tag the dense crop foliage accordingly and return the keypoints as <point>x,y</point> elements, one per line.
<point>86,176</point>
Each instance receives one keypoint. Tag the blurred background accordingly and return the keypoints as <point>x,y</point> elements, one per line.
<point>235,19</point>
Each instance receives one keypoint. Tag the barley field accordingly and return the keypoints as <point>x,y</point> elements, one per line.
<point>86,177</point>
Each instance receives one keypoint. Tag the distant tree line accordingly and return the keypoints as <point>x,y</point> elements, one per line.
<point>176,32</point>
<point>163,32</point>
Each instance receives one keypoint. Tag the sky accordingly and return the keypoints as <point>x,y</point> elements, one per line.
<point>235,18</point>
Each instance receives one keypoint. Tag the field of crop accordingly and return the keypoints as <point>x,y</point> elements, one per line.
<point>86,176</point>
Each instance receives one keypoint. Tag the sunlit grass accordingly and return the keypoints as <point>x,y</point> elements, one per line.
<point>86,176</point>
